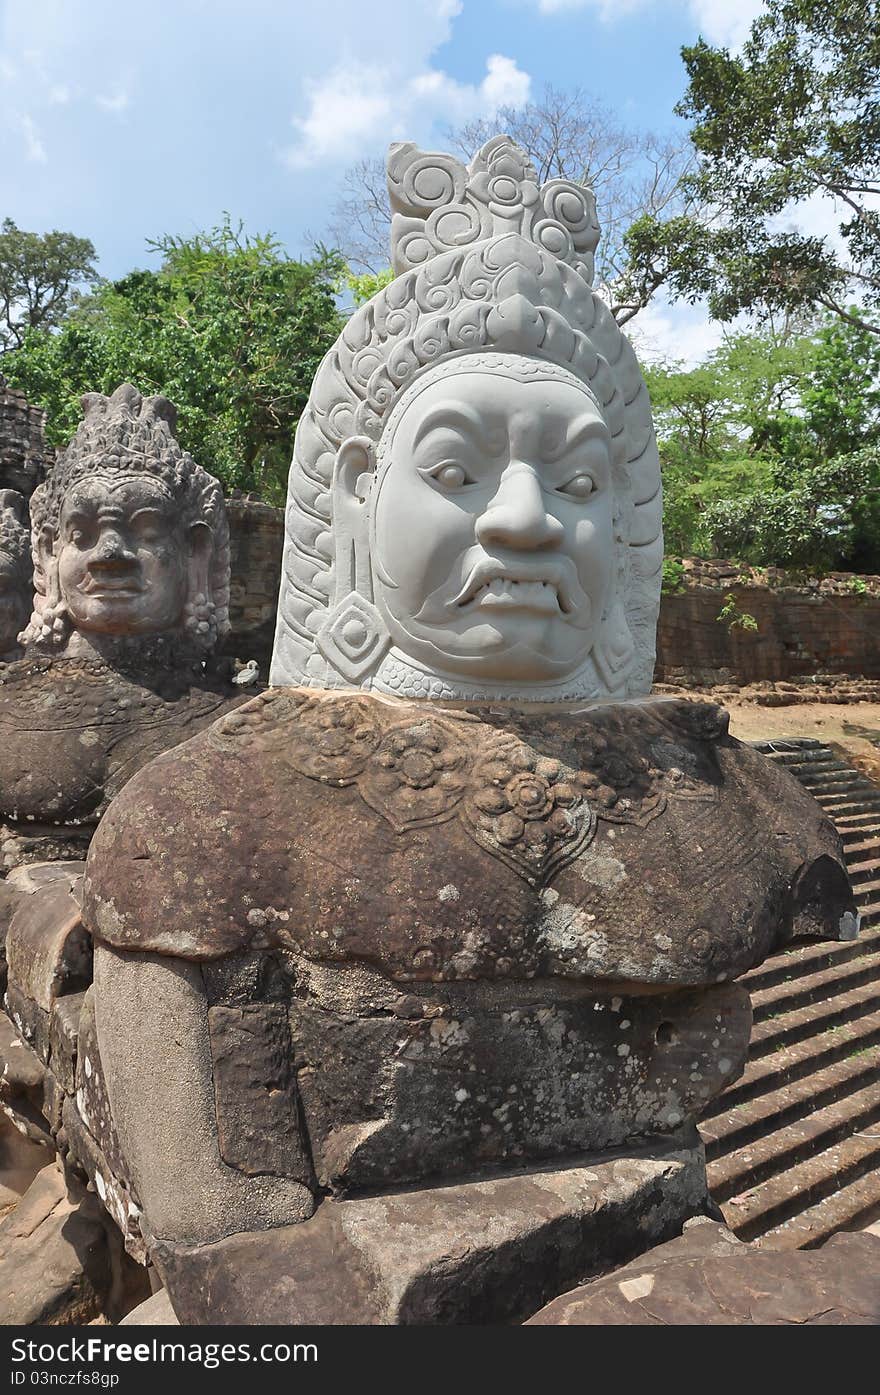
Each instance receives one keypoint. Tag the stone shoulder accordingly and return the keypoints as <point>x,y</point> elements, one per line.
<point>452,842</point>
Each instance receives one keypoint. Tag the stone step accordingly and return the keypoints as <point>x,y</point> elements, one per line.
<point>773,1109</point>
<point>830,778</point>
<point>852,1207</point>
<point>836,1011</point>
<point>801,1059</point>
<point>807,958</point>
<point>794,1145</point>
<point>870,914</point>
<point>767,1205</point>
<point>862,870</point>
<point>818,986</point>
<point>856,847</point>
<point>867,891</point>
<point>799,1131</point>
<point>858,826</point>
<point>850,802</point>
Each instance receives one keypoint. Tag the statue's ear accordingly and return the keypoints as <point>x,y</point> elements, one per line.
<point>352,473</point>
<point>353,470</point>
<point>201,544</point>
<point>46,546</point>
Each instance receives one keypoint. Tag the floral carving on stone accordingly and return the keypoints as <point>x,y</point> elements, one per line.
<point>533,811</point>
<point>528,810</point>
<point>417,775</point>
<point>338,740</point>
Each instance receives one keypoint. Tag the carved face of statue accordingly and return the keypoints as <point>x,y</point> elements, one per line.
<point>122,556</point>
<point>491,525</point>
<point>13,607</point>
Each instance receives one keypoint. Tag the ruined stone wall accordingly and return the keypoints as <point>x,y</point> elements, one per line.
<point>24,455</point>
<point>804,627</point>
<point>256,533</point>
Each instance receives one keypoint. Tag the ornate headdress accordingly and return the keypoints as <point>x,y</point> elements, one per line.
<point>14,540</point>
<point>127,435</point>
<point>486,259</point>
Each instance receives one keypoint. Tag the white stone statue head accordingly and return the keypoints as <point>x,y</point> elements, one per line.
<point>474,506</point>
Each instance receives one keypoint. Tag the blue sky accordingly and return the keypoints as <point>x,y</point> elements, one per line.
<point>121,122</point>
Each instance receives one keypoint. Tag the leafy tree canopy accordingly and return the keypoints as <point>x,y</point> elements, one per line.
<point>794,116</point>
<point>770,447</point>
<point>230,329</point>
<point>39,275</point>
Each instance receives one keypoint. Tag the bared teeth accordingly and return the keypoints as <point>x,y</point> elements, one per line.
<point>514,588</point>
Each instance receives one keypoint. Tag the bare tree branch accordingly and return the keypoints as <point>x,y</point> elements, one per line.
<point>566,135</point>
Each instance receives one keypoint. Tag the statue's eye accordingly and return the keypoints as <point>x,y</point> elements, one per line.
<point>451,476</point>
<point>579,487</point>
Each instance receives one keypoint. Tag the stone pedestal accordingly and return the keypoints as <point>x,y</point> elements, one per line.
<point>481,1251</point>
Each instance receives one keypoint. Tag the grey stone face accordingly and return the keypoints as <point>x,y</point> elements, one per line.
<point>129,600</point>
<point>129,535</point>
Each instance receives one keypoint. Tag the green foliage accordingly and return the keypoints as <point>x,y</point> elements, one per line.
<point>796,114</point>
<point>673,575</point>
<point>38,278</point>
<point>734,618</point>
<point>365,285</point>
<point>763,449</point>
<point>229,328</point>
<point>828,521</point>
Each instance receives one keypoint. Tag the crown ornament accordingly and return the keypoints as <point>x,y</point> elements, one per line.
<point>439,205</point>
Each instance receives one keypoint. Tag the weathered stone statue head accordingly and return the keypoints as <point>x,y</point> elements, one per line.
<point>15,568</point>
<point>474,504</point>
<point>129,534</point>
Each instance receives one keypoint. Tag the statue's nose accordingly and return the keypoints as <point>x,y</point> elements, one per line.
<point>112,550</point>
<point>517,516</point>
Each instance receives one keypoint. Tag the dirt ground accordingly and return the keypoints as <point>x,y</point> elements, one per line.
<point>855,728</point>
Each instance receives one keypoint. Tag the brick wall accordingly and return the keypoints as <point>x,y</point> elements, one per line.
<point>804,627</point>
<point>256,535</point>
<point>24,456</point>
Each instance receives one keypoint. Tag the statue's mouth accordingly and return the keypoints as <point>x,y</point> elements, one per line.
<point>539,587</point>
<point>99,588</point>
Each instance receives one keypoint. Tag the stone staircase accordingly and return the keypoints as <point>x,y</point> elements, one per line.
<point>794,1146</point>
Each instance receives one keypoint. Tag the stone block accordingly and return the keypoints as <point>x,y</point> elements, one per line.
<point>478,1251</point>
<point>47,949</point>
<point>706,1277</point>
<point>54,1258</point>
<point>255,1092</point>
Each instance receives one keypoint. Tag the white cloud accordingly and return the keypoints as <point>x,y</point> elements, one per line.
<point>680,333</point>
<point>357,105</point>
<point>118,100</point>
<point>608,10</point>
<point>725,22</point>
<point>34,149</point>
<point>59,95</point>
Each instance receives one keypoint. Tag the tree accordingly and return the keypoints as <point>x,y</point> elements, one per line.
<point>566,135</point>
<point>829,520</point>
<point>230,328</point>
<point>795,116</point>
<point>38,277</point>
<point>765,447</point>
